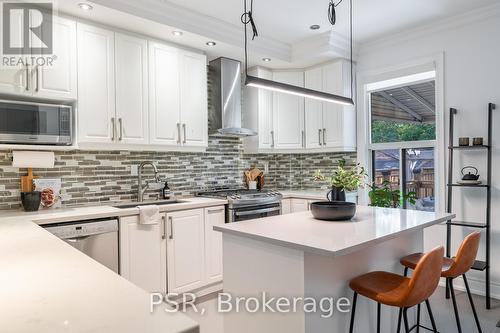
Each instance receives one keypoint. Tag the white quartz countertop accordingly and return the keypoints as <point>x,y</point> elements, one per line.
<point>369,227</point>
<point>47,286</point>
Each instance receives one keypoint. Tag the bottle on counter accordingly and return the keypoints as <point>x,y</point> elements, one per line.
<point>166,192</point>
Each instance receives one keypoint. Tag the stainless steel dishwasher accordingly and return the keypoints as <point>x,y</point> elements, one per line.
<point>96,238</point>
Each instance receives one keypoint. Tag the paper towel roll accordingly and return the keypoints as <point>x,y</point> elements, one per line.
<point>33,159</point>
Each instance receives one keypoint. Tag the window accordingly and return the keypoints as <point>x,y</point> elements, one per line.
<point>403,136</point>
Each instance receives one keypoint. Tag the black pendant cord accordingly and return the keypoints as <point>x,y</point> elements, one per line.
<point>247,18</point>
<point>350,33</point>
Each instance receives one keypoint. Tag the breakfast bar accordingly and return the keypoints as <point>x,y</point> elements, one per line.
<point>297,256</point>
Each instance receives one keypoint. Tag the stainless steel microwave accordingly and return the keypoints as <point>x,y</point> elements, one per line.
<point>35,123</point>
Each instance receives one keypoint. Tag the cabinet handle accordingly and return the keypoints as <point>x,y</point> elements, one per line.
<point>272,139</point>
<point>211,211</point>
<point>324,136</point>
<point>113,129</point>
<point>37,78</point>
<point>184,130</point>
<point>120,121</point>
<point>303,139</point>
<point>27,77</point>
<point>178,133</point>
<point>163,228</point>
<point>319,137</point>
<point>171,236</point>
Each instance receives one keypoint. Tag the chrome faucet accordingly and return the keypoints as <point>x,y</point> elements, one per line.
<point>142,189</point>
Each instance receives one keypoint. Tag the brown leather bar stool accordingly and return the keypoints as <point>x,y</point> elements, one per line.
<point>453,268</point>
<point>400,291</point>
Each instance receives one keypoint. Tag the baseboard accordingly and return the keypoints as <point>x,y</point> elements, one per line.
<point>477,287</point>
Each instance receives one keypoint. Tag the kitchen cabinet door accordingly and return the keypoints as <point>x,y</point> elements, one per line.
<point>194,110</point>
<point>15,79</point>
<point>213,244</point>
<point>299,205</point>
<point>185,250</point>
<point>288,113</point>
<point>313,112</point>
<point>131,72</point>
<point>333,113</point>
<point>286,206</point>
<point>164,95</point>
<point>96,84</point>
<point>143,254</point>
<point>59,80</point>
<point>265,109</point>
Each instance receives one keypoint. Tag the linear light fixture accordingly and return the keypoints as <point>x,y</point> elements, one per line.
<point>257,82</point>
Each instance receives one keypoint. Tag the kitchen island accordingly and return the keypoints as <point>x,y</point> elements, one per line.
<point>297,256</point>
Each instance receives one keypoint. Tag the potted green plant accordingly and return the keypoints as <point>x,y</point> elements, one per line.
<point>344,178</point>
<point>385,196</point>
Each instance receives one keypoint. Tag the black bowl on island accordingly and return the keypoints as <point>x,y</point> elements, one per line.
<point>333,210</point>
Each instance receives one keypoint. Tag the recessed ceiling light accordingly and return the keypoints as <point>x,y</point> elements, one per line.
<point>85,6</point>
<point>266,59</point>
<point>314,27</point>
<point>211,43</point>
<point>177,33</point>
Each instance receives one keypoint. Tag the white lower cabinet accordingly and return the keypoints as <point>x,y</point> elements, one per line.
<point>143,254</point>
<point>185,250</point>
<point>181,254</point>
<point>299,205</point>
<point>213,244</point>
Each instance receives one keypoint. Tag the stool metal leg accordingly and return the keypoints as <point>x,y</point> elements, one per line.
<point>400,316</point>
<point>418,318</point>
<point>405,319</point>
<point>431,316</point>
<point>472,304</point>
<point>453,298</point>
<point>378,317</point>
<point>406,271</point>
<point>353,311</point>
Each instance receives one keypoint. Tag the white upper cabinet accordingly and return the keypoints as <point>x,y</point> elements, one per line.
<point>55,78</point>
<point>314,110</point>
<point>59,81</point>
<point>131,72</point>
<point>339,121</point>
<point>194,109</point>
<point>178,97</point>
<point>328,125</point>
<point>164,95</point>
<point>288,113</point>
<point>258,113</point>
<point>96,85</point>
<point>15,80</point>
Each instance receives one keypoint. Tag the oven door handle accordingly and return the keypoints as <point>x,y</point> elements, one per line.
<point>257,211</point>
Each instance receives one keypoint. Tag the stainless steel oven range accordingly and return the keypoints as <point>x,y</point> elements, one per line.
<point>246,204</point>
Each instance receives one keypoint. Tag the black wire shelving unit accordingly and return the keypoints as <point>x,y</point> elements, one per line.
<point>478,265</point>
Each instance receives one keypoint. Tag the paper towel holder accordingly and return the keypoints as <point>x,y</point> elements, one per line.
<point>31,160</point>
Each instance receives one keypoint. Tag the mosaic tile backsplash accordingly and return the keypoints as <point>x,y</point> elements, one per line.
<point>90,178</point>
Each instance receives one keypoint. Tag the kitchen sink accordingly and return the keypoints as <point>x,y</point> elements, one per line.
<point>146,203</point>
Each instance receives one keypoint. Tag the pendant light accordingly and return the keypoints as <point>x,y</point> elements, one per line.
<point>253,81</point>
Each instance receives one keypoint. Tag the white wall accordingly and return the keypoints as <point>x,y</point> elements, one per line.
<point>471,47</point>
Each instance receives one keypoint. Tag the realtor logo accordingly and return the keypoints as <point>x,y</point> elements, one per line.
<point>27,28</point>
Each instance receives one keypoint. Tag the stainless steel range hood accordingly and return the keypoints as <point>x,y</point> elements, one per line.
<point>225,115</point>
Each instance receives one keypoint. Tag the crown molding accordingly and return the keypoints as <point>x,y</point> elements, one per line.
<point>471,17</point>
<point>325,45</point>
<point>165,12</point>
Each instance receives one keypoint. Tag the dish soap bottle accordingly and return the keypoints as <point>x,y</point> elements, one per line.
<point>166,192</point>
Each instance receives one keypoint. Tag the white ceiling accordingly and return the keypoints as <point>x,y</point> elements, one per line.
<point>283,25</point>
<point>289,21</point>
